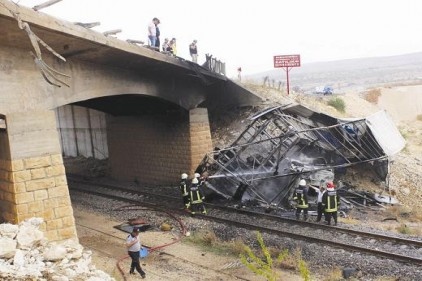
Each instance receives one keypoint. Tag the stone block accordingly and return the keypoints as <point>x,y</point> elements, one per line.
<point>40,195</point>
<point>36,206</point>
<point>10,197</point>
<point>62,212</point>
<point>40,184</point>
<point>68,221</point>
<point>22,209</point>
<point>58,191</point>
<point>56,159</point>
<point>17,165</point>
<point>4,185</point>
<point>52,235</point>
<point>63,201</point>
<point>54,224</point>
<point>3,164</point>
<point>46,214</point>
<point>37,162</point>
<point>43,226</point>
<point>55,170</point>
<point>50,203</point>
<point>24,197</point>
<point>4,175</point>
<point>60,180</point>
<point>38,173</point>
<point>23,217</point>
<point>18,187</point>
<point>66,233</point>
<point>21,176</point>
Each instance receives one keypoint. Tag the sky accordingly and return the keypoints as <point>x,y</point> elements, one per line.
<point>250,33</point>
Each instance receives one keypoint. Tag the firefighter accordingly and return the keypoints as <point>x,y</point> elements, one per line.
<point>201,179</point>
<point>301,198</point>
<point>185,191</point>
<point>330,201</point>
<point>196,197</point>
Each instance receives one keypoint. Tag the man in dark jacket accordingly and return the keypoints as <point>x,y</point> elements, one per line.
<point>185,190</point>
<point>330,201</point>
<point>196,197</point>
<point>301,198</point>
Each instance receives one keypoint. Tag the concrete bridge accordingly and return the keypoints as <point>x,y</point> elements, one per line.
<point>151,112</point>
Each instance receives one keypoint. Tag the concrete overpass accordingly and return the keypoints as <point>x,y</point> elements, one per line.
<point>155,108</point>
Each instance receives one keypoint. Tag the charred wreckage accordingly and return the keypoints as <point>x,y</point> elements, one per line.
<point>284,144</point>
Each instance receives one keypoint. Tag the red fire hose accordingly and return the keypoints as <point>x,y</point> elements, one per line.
<point>152,249</point>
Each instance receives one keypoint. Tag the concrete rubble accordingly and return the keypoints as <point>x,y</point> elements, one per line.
<point>25,254</point>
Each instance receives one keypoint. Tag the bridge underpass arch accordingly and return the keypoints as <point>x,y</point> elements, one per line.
<point>144,139</point>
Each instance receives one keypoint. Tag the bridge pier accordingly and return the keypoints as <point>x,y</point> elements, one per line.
<point>156,149</point>
<point>32,175</point>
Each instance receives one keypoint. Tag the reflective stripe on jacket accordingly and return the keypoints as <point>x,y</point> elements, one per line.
<point>195,194</point>
<point>184,188</point>
<point>330,200</point>
<point>301,198</point>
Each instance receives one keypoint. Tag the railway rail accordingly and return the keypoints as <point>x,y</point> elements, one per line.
<point>385,246</point>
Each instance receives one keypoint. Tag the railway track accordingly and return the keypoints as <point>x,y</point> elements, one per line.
<point>390,247</point>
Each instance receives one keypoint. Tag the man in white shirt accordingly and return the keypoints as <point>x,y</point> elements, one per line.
<point>133,245</point>
<point>152,32</point>
<point>320,193</point>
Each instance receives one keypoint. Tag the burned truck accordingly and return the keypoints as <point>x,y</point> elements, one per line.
<point>284,144</point>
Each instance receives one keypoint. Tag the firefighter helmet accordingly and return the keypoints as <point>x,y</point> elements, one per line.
<point>184,176</point>
<point>197,175</point>
<point>194,180</point>
<point>302,182</point>
<point>330,184</point>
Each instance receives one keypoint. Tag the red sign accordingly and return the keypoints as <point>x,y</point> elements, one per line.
<point>287,61</point>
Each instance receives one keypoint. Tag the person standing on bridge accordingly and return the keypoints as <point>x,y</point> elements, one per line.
<point>173,47</point>
<point>157,36</point>
<point>301,198</point>
<point>193,50</point>
<point>152,31</point>
<point>184,189</point>
<point>133,245</point>
<point>331,201</point>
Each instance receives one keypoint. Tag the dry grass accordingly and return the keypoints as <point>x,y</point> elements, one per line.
<point>236,247</point>
<point>349,220</point>
<point>419,117</point>
<point>336,274</point>
<point>408,213</point>
<point>372,95</point>
<point>291,261</point>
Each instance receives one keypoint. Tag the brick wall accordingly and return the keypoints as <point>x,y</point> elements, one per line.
<point>157,149</point>
<point>200,136</point>
<point>150,149</point>
<point>33,181</point>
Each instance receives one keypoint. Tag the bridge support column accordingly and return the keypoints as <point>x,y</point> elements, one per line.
<point>200,136</point>
<point>32,175</point>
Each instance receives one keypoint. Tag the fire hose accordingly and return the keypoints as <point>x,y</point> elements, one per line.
<point>152,249</point>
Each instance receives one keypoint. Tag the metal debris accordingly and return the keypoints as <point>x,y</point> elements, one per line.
<point>286,143</point>
<point>49,74</point>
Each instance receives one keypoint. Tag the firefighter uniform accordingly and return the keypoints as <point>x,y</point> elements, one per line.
<point>184,189</point>
<point>196,197</point>
<point>331,201</point>
<point>301,198</point>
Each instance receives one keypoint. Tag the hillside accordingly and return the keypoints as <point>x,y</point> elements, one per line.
<point>351,74</point>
